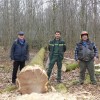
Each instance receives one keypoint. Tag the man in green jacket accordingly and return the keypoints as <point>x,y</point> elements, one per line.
<point>56,48</point>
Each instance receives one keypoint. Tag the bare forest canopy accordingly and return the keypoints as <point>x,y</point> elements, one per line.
<point>39,19</point>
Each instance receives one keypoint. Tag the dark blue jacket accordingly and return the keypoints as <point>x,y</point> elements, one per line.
<point>79,48</point>
<point>19,52</point>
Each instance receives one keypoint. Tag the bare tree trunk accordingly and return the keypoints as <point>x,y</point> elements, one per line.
<point>5,35</point>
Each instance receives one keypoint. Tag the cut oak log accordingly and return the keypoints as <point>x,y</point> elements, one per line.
<point>33,77</point>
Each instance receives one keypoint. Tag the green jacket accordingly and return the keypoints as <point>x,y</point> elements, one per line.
<point>62,48</point>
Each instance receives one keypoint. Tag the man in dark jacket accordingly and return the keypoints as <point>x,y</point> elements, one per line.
<point>85,53</point>
<point>56,48</point>
<point>19,54</point>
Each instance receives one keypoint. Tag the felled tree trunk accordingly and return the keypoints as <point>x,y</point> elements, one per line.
<point>97,68</point>
<point>33,77</point>
<point>69,64</point>
<point>39,58</point>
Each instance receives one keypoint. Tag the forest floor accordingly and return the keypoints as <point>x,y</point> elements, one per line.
<point>86,91</point>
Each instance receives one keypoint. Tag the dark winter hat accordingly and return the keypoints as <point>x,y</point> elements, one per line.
<point>21,33</point>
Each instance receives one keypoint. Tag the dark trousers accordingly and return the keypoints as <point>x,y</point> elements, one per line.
<point>51,65</point>
<point>89,65</point>
<point>16,65</point>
